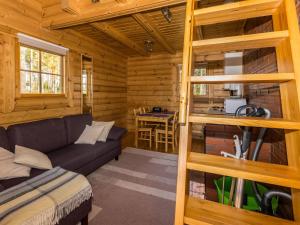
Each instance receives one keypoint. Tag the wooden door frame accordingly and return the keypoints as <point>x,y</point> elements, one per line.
<point>91,83</point>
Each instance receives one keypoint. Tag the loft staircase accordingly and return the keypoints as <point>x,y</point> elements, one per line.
<point>286,39</point>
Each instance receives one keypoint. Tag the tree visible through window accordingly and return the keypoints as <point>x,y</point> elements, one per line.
<point>200,89</point>
<point>41,71</point>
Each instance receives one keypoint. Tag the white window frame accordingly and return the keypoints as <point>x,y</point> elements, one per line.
<point>43,46</point>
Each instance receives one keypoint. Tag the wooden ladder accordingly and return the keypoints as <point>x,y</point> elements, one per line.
<point>285,38</point>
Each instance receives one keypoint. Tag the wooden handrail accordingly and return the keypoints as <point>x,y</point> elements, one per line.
<point>186,64</point>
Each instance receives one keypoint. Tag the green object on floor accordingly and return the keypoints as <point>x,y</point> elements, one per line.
<point>250,199</point>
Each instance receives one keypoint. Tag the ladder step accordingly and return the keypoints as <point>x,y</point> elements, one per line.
<point>246,169</point>
<point>276,123</point>
<point>203,212</point>
<point>244,78</point>
<point>250,41</point>
<point>235,11</point>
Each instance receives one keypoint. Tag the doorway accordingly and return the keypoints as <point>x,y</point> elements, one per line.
<point>87,84</point>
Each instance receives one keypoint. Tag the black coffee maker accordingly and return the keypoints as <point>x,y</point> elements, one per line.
<point>157,109</point>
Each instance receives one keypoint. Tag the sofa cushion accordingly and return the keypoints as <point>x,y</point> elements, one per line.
<point>75,125</point>
<point>44,135</point>
<point>90,135</point>
<point>116,133</point>
<point>75,156</point>
<point>103,148</point>
<point>8,168</point>
<point>32,158</point>
<point>4,139</point>
<point>106,129</point>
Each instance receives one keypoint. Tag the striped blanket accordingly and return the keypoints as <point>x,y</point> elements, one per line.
<point>45,199</point>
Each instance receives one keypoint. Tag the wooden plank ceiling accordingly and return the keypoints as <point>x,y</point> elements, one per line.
<point>128,33</point>
<point>172,32</point>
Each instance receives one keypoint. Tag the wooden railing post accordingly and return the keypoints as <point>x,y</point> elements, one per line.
<point>186,64</point>
<point>286,18</point>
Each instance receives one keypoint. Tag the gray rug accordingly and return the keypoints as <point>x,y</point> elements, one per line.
<point>139,189</point>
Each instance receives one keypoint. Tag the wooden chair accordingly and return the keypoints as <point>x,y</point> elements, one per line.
<point>142,131</point>
<point>143,110</point>
<point>149,124</point>
<point>172,133</point>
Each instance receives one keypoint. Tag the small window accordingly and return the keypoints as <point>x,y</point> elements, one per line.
<point>84,82</point>
<point>41,72</point>
<point>200,89</point>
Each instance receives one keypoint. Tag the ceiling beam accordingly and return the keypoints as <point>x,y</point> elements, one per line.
<point>55,18</point>
<point>153,31</point>
<point>117,35</point>
<point>70,6</point>
<point>121,1</point>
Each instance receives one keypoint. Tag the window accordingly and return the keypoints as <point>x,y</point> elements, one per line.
<point>199,70</point>
<point>41,72</point>
<point>84,82</point>
<point>200,89</point>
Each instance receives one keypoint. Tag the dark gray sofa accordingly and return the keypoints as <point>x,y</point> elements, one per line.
<point>56,137</point>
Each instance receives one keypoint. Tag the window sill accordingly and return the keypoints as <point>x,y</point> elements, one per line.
<point>201,96</point>
<point>41,95</point>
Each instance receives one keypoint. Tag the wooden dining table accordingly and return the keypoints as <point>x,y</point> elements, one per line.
<point>163,118</point>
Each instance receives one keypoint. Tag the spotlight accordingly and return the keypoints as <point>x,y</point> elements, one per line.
<point>149,45</point>
<point>167,14</point>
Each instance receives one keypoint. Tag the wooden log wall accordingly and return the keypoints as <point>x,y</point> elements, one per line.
<point>152,81</point>
<point>110,69</point>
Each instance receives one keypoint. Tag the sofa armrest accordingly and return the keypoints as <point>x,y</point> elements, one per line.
<point>2,188</point>
<point>116,133</point>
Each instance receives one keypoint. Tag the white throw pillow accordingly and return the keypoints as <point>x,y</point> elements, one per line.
<point>9,169</point>
<point>90,135</point>
<point>32,158</point>
<point>107,127</point>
